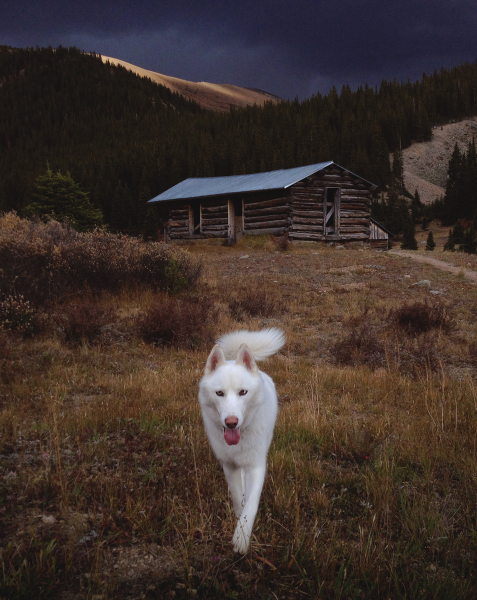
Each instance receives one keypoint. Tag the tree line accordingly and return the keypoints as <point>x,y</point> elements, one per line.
<point>124,139</point>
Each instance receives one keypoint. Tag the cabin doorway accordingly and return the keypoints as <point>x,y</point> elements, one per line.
<point>194,218</point>
<point>238,220</point>
<point>331,211</point>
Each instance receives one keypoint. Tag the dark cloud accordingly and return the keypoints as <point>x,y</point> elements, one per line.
<point>286,47</point>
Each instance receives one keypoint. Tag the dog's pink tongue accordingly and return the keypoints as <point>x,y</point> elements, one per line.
<point>232,436</point>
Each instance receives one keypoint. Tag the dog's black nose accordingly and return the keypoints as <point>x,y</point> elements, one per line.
<point>231,422</point>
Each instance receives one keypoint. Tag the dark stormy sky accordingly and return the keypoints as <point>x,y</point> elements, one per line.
<point>287,47</point>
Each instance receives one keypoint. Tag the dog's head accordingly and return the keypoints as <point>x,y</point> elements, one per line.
<point>232,390</point>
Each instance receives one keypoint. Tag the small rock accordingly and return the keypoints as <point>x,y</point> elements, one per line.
<point>245,256</point>
<point>48,520</point>
<point>423,282</point>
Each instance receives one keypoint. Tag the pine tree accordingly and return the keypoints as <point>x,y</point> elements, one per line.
<point>59,197</point>
<point>430,244</point>
<point>409,241</point>
<point>416,206</point>
<point>450,243</point>
<point>150,225</point>
<point>469,244</point>
<point>458,233</point>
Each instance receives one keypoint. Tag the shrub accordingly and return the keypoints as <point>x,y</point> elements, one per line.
<point>282,242</point>
<point>254,303</point>
<point>44,262</point>
<point>83,321</point>
<point>420,317</point>
<point>361,344</point>
<point>16,314</point>
<point>187,322</point>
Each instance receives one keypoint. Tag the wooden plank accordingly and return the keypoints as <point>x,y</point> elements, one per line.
<point>248,205</point>
<point>355,214</point>
<point>273,210</point>
<point>307,213</point>
<point>221,221</point>
<point>214,209</point>
<point>268,231</point>
<point>307,221</point>
<point>270,224</point>
<point>299,227</point>
<point>220,227</point>
<point>265,218</point>
<point>179,229</point>
<point>344,230</point>
<point>183,223</point>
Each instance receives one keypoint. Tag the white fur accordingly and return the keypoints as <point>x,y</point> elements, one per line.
<point>245,463</point>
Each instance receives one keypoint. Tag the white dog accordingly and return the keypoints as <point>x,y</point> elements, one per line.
<point>239,408</point>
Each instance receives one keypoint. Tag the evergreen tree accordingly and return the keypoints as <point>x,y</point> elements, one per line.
<point>59,197</point>
<point>409,241</point>
<point>150,225</point>
<point>430,244</point>
<point>416,206</point>
<point>450,243</point>
<point>458,233</point>
<point>469,244</point>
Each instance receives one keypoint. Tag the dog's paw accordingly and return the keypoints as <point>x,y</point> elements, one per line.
<point>241,539</point>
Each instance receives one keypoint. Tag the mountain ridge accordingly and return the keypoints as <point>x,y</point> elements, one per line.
<point>212,96</point>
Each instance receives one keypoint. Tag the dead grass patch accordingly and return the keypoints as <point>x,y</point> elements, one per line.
<point>109,488</point>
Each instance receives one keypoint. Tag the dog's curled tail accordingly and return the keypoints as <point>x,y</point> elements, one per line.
<point>261,344</point>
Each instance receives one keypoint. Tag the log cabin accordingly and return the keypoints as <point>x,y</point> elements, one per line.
<point>321,202</point>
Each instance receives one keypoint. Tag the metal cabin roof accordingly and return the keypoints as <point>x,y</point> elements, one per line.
<point>200,187</point>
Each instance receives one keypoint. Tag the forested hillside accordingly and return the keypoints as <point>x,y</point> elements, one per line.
<point>124,139</point>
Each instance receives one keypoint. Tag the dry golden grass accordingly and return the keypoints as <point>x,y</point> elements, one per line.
<point>109,488</point>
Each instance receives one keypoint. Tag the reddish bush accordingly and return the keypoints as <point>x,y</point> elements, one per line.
<point>255,302</point>
<point>361,344</point>
<point>421,317</point>
<point>16,314</point>
<point>186,322</point>
<point>45,262</point>
<point>83,321</point>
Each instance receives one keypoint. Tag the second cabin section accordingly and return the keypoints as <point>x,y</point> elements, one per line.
<point>322,202</point>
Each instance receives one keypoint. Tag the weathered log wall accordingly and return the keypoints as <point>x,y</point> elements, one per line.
<point>307,207</point>
<point>178,226</point>
<point>264,213</point>
<point>214,218</point>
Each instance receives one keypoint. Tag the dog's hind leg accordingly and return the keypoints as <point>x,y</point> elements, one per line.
<point>254,479</point>
<point>233,475</point>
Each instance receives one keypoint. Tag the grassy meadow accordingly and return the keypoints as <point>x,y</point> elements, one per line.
<point>108,488</point>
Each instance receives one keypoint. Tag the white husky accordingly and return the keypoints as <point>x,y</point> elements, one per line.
<point>239,408</point>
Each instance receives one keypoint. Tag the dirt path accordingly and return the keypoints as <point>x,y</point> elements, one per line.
<point>439,264</point>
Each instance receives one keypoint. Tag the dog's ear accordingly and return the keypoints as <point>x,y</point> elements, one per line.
<point>216,359</point>
<point>245,358</point>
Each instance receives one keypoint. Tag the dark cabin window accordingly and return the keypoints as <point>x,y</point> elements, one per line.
<point>331,210</point>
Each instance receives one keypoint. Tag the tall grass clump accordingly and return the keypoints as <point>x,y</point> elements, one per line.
<point>45,262</point>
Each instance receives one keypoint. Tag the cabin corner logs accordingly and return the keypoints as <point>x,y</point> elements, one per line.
<point>330,205</point>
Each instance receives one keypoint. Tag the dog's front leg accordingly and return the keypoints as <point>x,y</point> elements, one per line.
<point>254,479</point>
<point>233,475</point>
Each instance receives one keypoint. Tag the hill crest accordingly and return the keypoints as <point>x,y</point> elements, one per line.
<point>212,96</point>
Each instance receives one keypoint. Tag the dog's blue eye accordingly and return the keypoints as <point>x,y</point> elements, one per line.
<point>242,392</point>
<point>220,393</point>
